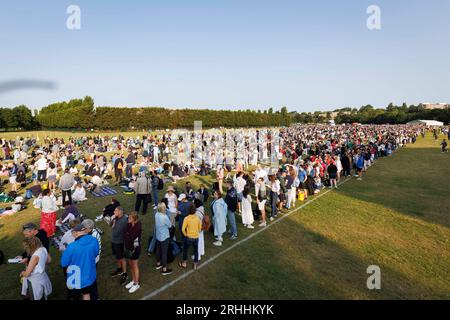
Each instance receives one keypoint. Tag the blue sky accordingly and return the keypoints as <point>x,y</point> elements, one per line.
<point>306,55</point>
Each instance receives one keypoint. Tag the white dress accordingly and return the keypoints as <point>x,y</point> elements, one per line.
<point>247,212</point>
<point>40,283</point>
<point>201,239</point>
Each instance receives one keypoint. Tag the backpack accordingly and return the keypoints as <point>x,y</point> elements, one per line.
<point>160,184</point>
<point>206,223</point>
<point>12,194</point>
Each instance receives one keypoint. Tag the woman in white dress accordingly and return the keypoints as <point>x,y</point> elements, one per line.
<point>79,194</point>
<point>200,212</point>
<point>35,282</point>
<point>247,212</point>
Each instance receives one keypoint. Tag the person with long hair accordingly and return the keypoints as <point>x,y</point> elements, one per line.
<point>132,243</point>
<point>36,284</point>
<point>247,212</point>
<point>51,175</point>
<point>261,199</point>
<point>162,235</point>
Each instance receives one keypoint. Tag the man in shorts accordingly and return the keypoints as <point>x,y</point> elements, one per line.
<point>79,263</point>
<point>119,223</point>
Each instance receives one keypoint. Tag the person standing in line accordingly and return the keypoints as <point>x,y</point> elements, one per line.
<point>48,215</point>
<point>162,227</point>
<point>132,243</point>
<point>143,190</point>
<point>79,263</point>
<point>192,226</point>
<point>247,212</point>
<point>36,284</point>
<point>231,199</point>
<point>219,211</point>
<point>119,224</point>
<point>274,191</point>
<point>66,183</point>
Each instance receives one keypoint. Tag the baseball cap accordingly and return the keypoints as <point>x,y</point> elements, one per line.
<point>29,226</point>
<point>182,197</point>
<point>86,224</point>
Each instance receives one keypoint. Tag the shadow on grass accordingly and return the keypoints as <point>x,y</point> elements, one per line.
<point>414,181</point>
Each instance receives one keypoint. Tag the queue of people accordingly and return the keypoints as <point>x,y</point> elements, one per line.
<point>270,171</point>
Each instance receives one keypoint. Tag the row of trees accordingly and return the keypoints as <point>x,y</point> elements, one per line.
<point>80,113</point>
<point>369,115</point>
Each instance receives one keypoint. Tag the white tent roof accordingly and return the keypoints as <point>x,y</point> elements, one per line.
<point>428,122</point>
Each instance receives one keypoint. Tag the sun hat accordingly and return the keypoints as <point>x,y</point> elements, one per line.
<point>171,188</point>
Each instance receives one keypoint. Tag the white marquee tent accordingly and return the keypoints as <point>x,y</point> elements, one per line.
<point>430,123</point>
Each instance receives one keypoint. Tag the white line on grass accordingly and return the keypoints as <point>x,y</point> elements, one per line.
<point>204,264</point>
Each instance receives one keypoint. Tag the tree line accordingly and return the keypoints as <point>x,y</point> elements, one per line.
<point>369,115</point>
<point>82,114</point>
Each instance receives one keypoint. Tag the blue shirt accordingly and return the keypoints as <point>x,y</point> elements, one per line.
<point>183,207</point>
<point>162,224</point>
<point>79,258</point>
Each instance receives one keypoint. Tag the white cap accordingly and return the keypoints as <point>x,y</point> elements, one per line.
<point>181,197</point>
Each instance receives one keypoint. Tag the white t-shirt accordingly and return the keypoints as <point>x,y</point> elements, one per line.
<point>41,164</point>
<point>171,200</point>
<point>40,267</point>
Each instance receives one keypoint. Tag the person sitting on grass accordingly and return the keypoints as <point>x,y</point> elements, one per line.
<point>70,213</point>
<point>108,211</point>
<point>79,194</point>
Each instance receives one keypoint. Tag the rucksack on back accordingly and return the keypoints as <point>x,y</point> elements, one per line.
<point>160,184</point>
<point>206,223</point>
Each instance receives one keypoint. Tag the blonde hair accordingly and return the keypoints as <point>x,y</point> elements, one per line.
<point>134,215</point>
<point>162,207</point>
<point>30,245</point>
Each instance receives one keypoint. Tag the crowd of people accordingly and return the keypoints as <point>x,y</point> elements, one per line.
<point>257,174</point>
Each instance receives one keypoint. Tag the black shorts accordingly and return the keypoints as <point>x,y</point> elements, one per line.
<point>117,250</point>
<point>282,197</point>
<point>359,169</point>
<point>89,289</point>
<point>136,254</point>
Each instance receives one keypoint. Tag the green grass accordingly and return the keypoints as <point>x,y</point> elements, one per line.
<point>396,218</point>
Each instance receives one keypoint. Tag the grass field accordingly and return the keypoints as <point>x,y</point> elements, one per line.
<point>398,218</point>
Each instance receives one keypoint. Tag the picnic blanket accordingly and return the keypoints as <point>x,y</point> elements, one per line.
<point>105,191</point>
<point>56,240</point>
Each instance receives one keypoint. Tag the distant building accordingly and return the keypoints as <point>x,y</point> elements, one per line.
<point>433,106</point>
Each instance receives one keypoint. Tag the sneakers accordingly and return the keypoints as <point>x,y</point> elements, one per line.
<point>123,278</point>
<point>99,218</point>
<point>116,273</point>
<point>107,219</point>
<point>217,243</point>
<point>250,227</point>
<point>157,267</point>
<point>129,285</point>
<point>166,272</point>
<point>233,237</point>
<point>263,224</point>
<point>134,288</point>
<point>271,218</point>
